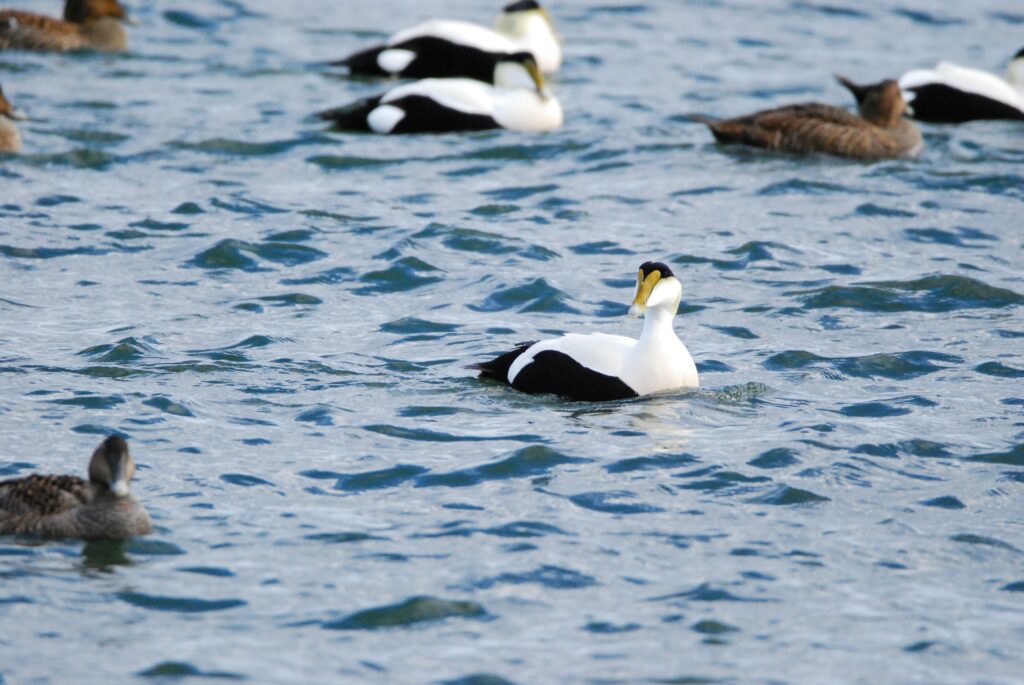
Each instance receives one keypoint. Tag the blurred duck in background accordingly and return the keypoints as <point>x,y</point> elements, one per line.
<point>447,48</point>
<point>71,507</point>
<point>880,132</point>
<point>519,102</point>
<point>10,138</point>
<point>87,25</point>
<point>951,94</point>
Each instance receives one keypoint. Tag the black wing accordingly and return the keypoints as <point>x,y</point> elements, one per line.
<point>942,104</point>
<point>560,374</point>
<point>435,58</point>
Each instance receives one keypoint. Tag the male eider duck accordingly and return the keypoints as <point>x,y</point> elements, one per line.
<point>87,25</point>
<point>599,366</point>
<point>951,94</point>
<point>519,103</point>
<point>10,138</point>
<point>70,507</point>
<point>880,132</point>
<point>445,48</point>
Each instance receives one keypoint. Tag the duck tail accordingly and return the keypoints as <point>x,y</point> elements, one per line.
<point>363,63</point>
<point>351,117</point>
<point>497,368</point>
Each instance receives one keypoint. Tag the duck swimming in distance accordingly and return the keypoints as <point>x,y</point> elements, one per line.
<point>951,94</point>
<point>87,25</point>
<point>520,103</point>
<point>10,137</point>
<point>880,132</point>
<point>597,366</point>
<point>445,48</point>
<point>70,507</point>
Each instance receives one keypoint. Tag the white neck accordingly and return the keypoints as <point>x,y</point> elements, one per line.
<point>659,360</point>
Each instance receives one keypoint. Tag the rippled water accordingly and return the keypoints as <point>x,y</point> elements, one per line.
<point>279,319</point>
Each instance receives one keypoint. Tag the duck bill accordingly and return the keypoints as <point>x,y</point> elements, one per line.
<point>644,287</point>
<point>538,78</point>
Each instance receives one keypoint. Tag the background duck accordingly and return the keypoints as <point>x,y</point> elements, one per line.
<point>520,103</point>
<point>445,48</point>
<point>880,132</point>
<point>87,25</point>
<point>10,138</point>
<point>599,366</point>
<point>68,506</point>
<point>951,94</point>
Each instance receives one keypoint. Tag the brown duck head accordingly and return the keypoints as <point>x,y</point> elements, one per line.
<point>880,103</point>
<point>6,108</point>
<point>81,11</point>
<point>112,466</point>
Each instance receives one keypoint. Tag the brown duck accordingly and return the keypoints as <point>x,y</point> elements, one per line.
<point>10,138</point>
<point>880,132</point>
<point>87,25</point>
<point>70,507</point>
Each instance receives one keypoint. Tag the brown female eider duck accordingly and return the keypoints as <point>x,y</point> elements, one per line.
<point>880,132</point>
<point>71,507</point>
<point>10,138</point>
<point>87,25</point>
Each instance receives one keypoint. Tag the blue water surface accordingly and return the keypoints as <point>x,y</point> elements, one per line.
<point>279,319</point>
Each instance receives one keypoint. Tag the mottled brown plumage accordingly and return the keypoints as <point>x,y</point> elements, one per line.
<point>87,25</point>
<point>10,137</point>
<point>880,132</point>
<point>68,506</point>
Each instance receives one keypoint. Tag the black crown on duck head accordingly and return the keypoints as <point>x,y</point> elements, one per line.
<point>1020,53</point>
<point>521,6</point>
<point>649,267</point>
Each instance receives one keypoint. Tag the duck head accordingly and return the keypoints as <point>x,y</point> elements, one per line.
<point>519,70</point>
<point>522,18</point>
<point>7,109</point>
<point>112,466</point>
<point>880,103</point>
<point>656,288</point>
<point>1015,70</point>
<point>81,11</point>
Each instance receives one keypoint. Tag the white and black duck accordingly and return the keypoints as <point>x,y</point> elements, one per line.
<point>62,506</point>
<point>951,94</point>
<point>520,103</point>
<point>598,366</point>
<point>447,48</point>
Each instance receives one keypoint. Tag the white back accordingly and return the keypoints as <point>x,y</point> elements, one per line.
<point>461,32</point>
<point>463,94</point>
<point>965,79</point>
<point>597,351</point>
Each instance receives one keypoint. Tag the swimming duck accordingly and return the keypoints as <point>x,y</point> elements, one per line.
<point>87,25</point>
<point>951,94</point>
<point>519,103</point>
<point>10,138</point>
<point>880,132</point>
<point>445,48</point>
<point>598,366</point>
<point>70,507</point>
